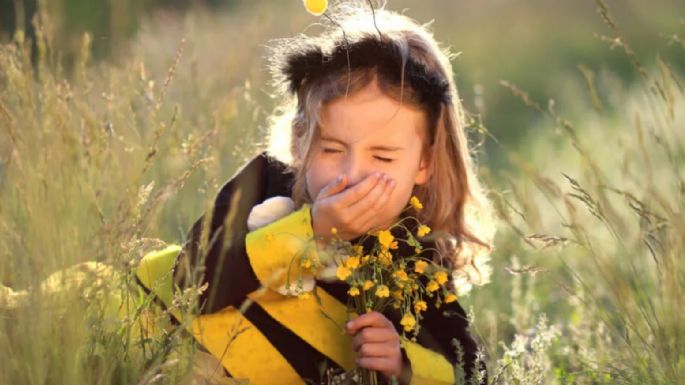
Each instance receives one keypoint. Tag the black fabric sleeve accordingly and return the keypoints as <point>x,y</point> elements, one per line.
<point>439,328</point>
<point>224,265</point>
<point>449,325</point>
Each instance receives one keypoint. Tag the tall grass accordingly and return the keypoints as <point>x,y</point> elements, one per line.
<point>595,234</point>
<point>106,161</point>
<point>90,158</point>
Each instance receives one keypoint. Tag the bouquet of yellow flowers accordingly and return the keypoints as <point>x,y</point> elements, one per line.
<point>379,274</point>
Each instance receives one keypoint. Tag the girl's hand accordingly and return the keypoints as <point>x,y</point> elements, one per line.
<point>377,343</point>
<point>354,211</point>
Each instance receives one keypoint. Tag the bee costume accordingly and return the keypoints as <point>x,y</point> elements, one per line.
<point>285,339</point>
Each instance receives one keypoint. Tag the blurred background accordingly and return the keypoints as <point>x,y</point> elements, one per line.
<point>540,45</point>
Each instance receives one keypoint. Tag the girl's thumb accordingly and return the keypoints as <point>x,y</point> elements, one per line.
<point>334,187</point>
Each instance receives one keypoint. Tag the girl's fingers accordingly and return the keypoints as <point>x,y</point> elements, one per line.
<point>362,207</point>
<point>370,213</point>
<point>357,192</point>
<point>371,335</point>
<point>378,349</point>
<point>381,364</point>
<point>373,319</point>
<point>332,188</point>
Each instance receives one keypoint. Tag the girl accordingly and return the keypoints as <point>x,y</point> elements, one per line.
<point>372,118</point>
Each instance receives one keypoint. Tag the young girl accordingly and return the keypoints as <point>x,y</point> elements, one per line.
<point>372,118</point>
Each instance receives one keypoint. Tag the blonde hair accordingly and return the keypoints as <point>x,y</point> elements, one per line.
<point>455,205</point>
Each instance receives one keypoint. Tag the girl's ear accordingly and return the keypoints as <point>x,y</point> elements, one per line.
<point>425,169</point>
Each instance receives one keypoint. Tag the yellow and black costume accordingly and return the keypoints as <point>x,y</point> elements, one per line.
<point>282,339</point>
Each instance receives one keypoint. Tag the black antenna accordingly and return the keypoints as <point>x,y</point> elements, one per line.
<point>373,13</point>
<point>380,37</point>
<point>347,52</point>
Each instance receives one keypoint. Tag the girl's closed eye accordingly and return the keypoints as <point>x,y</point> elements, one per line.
<point>331,150</point>
<point>383,159</point>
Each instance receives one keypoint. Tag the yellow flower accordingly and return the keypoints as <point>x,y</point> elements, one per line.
<point>441,277</point>
<point>432,286</point>
<point>408,321</point>
<point>420,266</point>
<point>385,257</point>
<point>352,262</point>
<point>397,294</point>
<point>401,275</point>
<point>382,291</point>
<point>334,231</point>
<point>385,238</point>
<point>353,292</point>
<point>423,231</point>
<point>365,259</point>
<point>420,306</point>
<point>393,245</point>
<point>450,298</point>
<point>415,203</point>
<point>316,7</point>
<point>368,284</point>
<point>343,272</point>
<point>358,250</point>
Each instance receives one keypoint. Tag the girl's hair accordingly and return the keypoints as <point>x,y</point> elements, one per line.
<point>361,44</point>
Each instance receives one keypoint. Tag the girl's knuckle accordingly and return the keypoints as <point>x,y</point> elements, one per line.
<point>365,334</point>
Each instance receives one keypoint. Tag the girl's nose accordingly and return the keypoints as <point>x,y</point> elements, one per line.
<point>356,169</point>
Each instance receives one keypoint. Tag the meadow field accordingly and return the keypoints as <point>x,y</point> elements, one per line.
<point>576,118</point>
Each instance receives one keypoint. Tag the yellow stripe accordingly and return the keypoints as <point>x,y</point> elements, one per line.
<point>242,349</point>
<point>304,317</point>
<point>155,272</point>
<point>272,249</point>
<point>428,367</point>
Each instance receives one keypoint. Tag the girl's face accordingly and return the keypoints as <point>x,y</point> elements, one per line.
<point>370,132</point>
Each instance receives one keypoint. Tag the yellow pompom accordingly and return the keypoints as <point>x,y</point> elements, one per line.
<point>316,7</point>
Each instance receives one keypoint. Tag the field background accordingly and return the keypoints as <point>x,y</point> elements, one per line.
<point>119,121</point>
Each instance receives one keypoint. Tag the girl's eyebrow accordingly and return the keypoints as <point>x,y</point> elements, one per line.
<point>377,148</point>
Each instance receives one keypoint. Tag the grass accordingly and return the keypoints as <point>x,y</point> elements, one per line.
<point>106,161</point>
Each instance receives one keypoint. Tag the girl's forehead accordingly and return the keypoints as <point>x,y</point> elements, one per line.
<point>366,117</point>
